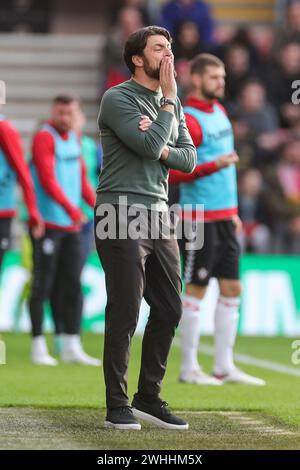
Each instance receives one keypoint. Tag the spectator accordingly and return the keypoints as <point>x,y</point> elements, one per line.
<point>255,236</point>
<point>142,7</point>
<point>176,12</point>
<point>149,10</point>
<point>188,41</point>
<point>237,62</point>
<point>290,32</point>
<point>258,122</point>
<point>239,37</point>
<point>243,37</point>
<point>129,20</point>
<point>262,38</point>
<point>282,199</point>
<point>244,144</point>
<point>279,80</point>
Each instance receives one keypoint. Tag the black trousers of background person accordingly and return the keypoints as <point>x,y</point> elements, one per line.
<point>86,240</point>
<point>133,269</point>
<point>56,260</point>
<point>5,226</point>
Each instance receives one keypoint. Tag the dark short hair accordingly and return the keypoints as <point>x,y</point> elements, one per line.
<point>65,99</point>
<point>137,42</point>
<point>201,61</point>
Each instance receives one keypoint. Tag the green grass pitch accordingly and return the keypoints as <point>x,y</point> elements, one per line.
<point>63,407</point>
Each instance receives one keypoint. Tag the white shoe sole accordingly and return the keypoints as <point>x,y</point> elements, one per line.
<point>122,427</point>
<point>195,382</point>
<point>244,382</point>
<point>82,361</point>
<point>152,419</point>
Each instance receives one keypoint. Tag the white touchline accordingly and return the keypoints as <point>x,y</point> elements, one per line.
<point>250,360</point>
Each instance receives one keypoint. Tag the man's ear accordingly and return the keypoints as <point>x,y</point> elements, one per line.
<point>137,60</point>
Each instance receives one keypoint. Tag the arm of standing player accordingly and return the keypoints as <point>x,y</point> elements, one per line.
<point>88,193</point>
<point>12,147</point>
<point>204,169</point>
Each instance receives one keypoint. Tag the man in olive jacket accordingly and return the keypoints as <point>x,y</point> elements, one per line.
<point>136,161</point>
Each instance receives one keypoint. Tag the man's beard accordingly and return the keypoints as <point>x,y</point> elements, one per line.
<point>63,127</point>
<point>210,95</point>
<point>151,72</point>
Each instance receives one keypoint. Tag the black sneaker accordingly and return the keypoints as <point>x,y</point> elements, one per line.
<point>157,413</point>
<point>121,418</point>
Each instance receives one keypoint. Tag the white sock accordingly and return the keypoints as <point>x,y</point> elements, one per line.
<point>189,328</point>
<point>71,342</point>
<point>226,322</point>
<point>39,345</point>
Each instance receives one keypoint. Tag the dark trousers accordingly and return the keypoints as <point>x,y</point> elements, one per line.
<point>5,225</point>
<point>133,269</point>
<point>56,303</point>
<point>57,264</point>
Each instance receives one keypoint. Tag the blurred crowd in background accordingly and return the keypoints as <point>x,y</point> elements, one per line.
<point>262,67</point>
<point>262,93</point>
